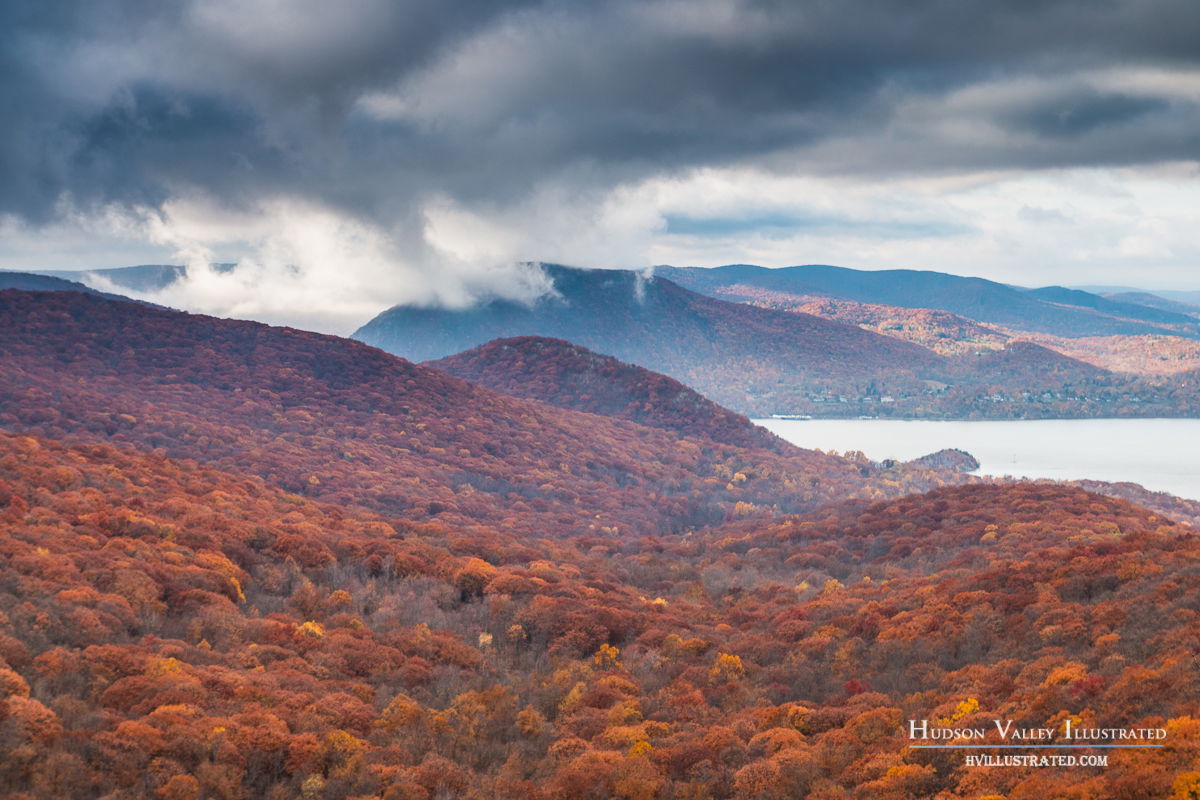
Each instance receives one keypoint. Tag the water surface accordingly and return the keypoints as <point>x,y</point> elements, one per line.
<point>1160,454</point>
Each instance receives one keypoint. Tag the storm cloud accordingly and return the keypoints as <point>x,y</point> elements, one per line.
<point>440,142</point>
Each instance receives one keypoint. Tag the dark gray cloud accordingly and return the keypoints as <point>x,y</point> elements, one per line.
<point>1085,111</point>
<point>376,106</point>
<point>130,101</point>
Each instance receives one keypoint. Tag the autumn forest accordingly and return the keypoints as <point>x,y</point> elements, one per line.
<point>250,562</point>
<point>620,400</point>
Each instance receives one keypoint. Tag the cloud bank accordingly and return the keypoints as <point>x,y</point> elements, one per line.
<point>361,153</point>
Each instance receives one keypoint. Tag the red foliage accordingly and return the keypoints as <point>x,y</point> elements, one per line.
<point>181,623</point>
<point>336,420</point>
<point>558,373</point>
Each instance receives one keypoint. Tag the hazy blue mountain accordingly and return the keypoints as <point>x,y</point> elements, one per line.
<point>34,282</point>
<point>1156,301</point>
<point>1192,298</point>
<point>141,278</point>
<point>751,359</point>
<point>1106,289</point>
<point>1112,306</point>
<point>648,320</point>
<point>724,349</point>
<point>976,298</point>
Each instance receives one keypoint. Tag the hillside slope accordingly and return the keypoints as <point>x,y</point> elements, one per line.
<point>940,331</point>
<point>1028,366</point>
<point>562,374</point>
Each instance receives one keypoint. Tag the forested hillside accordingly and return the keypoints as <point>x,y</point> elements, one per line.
<point>342,422</point>
<point>171,630</point>
<point>562,374</point>
<point>242,562</point>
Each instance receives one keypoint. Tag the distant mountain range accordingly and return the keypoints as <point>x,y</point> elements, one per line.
<point>975,298</point>
<point>1190,298</point>
<point>43,282</point>
<point>760,360</point>
<point>829,341</point>
<point>1054,310</point>
<point>951,334</point>
<point>1079,311</point>
<point>1156,301</point>
<point>729,351</point>
<point>146,278</point>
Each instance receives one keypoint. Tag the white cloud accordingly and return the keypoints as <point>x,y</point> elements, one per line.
<point>1131,226</point>
<point>312,267</point>
<point>555,224</point>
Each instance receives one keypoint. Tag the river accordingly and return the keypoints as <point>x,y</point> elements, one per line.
<point>1160,454</point>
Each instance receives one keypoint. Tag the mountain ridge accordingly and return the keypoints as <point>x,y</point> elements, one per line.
<point>566,375</point>
<point>44,282</point>
<point>761,361</point>
<point>978,299</point>
<point>712,345</point>
<point>337,420</point>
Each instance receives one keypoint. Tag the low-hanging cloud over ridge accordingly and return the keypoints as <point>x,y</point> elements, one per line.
<point>366,152</point>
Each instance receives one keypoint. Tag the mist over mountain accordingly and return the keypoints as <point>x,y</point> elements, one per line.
<point>141,278</point>
<point>37,282</point>
<point>1054,310</point>
<point>45,282</point>
<point>761,351</point>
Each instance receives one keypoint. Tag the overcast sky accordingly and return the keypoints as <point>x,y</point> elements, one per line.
<point>357,153</point>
